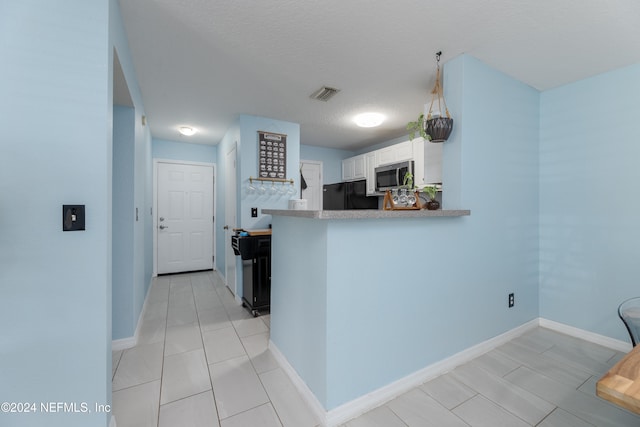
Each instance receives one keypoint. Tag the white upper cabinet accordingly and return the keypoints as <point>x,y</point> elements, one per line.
<point>371,172</point>
<point>427,158</point>
<point>427,162</point>
<point>354,168</point>
<point>395,153</point>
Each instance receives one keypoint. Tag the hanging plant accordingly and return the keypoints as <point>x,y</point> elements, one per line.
<point>433,127</point>
<point>418,127</point>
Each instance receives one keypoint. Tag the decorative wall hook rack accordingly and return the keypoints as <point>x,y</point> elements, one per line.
<point>289,180</point>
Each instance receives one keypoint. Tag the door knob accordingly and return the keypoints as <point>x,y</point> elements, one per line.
<point>162,227</point>
<point>161,218</point>
<point>226,227</point>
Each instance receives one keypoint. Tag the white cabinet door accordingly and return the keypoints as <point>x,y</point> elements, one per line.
<point>395,153</point>
<point>348,169</point>
<point>432,162</point>
<point>360,167</point>
<point>371,172</point>
<point>354,168</point>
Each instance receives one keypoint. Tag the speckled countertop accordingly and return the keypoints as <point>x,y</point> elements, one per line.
<point>365,213</point>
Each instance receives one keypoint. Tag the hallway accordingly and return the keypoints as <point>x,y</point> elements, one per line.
<point>197,342</point>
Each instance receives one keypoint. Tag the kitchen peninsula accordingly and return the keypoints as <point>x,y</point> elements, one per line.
<point>355,296</point>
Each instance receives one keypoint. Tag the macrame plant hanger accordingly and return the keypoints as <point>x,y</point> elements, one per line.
<point>439,128</point>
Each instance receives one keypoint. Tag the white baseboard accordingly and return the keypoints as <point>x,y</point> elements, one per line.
<point>125,343</point>
<point>112,423</point>
<point>299,384</point>
<point>602,340</point>
<point>378,397</point>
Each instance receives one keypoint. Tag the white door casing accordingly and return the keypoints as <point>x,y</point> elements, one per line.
<point>312,172</point>
<point>230,219</point>
<point>184,217</point>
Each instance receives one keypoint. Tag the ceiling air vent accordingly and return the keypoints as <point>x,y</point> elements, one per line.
<point>324,93</point>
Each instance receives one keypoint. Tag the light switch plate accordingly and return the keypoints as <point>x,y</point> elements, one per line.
<point>72,217</point>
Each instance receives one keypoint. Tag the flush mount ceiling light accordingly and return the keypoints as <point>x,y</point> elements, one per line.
<point>186,130</point>
<point>369,120</point>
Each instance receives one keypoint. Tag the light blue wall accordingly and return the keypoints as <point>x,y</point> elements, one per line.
<point>56,116</point>
<point>231,138</point>
<point>244,133</point>
<point>589,234</point>
<point>331,159</point>
<point>123,201</point>
<point>136,190</point>
<point>172,150</point>
<point>299,330</point>
<point>248,162</point>
<point>445,286</point>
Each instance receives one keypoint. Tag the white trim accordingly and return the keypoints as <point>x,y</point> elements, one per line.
<point>365,403</point>
<point>155,205</point>
<point>112,423</point>
<point>602,340</point>
<point>318,163</point>
<point>299,384</point>
<point>125,343</point>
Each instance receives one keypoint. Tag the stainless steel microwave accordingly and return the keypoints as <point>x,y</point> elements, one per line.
<point>392,176</point>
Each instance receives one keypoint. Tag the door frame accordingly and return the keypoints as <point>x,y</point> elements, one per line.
<point>155,206</point>
<point>319,163</point>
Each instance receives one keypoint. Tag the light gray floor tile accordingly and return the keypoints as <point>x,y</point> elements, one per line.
<point>237,312</point>
<point>533,341</point>
<point>182,338</point>
<point>181,315</point>
<point>589,386</point>
<point>222,344</point>
<point>448,391</point>
<point>292,410</point>
<point>481,412</point>
<point>516,400</point>
<point>184,375</point>
<point>156,310</point>
<point>416,408</point>
<point>137,406</point>
<point>257,347</point>
<point>379,417</point>
<point>212,319</point>
<point>115,359</point>
<point>246,327</point>
<point>266,318</point>
<point>262,416</point>
<point>138,365</point>
<point>208,301</point>
<point>560,418</point>
<point>236,386</point>
<point>194,411</point>
<point>553,368</point>
<point>579,359</point>
<point>152,331</point>
<point>589,408</point>
<point>496,363</point>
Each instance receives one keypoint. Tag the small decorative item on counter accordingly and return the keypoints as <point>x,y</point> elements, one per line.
<point>432,204</point>
<point>406,200</point>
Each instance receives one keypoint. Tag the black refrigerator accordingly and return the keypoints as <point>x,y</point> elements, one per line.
<point>347,195</point>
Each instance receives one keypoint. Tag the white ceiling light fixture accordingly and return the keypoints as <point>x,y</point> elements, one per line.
<point>369,120</point>
<point>186,130</point>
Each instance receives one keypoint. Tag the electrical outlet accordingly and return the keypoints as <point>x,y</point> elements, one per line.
<point>512,300</point>
<point>254,212</point>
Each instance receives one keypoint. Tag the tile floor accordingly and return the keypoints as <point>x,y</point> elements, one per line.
<point>202,360</point>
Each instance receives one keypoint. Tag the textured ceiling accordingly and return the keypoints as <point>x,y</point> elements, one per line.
<point>204,62</point>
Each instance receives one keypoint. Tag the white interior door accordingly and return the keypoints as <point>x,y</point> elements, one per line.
<point>312,172</point>
<point>230,219</point>
<point>184,218</point>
